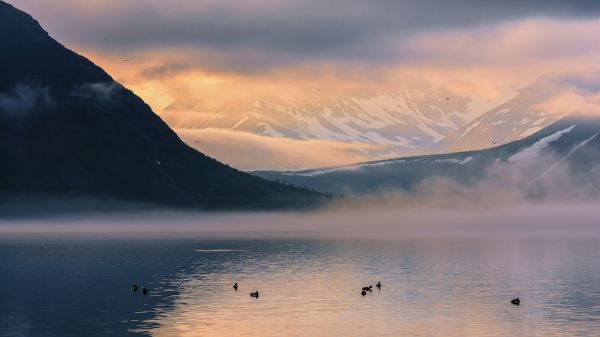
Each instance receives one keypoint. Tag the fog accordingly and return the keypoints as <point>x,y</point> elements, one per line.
<point>358,220</point>
<point>545,195</point>
<point>250,151</point>
<point>24,99</point>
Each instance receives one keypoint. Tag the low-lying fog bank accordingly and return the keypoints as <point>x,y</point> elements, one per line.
<point>349,220</point>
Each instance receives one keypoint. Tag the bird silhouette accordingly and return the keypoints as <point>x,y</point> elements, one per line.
<point>378,285</point>
<point>135,287</point>
<point>144,291</point>
<point>363,293</point>
<point>254,294</point>
<point>369,288</point>
<point>516,301</point>
<point>235,286</point>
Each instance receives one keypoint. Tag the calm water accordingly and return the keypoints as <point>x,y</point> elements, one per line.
<point>81,286</point>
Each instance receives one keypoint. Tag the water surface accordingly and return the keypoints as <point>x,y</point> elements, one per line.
<point>80,285</point>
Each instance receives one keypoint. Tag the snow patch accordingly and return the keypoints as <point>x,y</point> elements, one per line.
<point>452,161</point>
<point>342,168</point>
<point>466,160</point>
<point>239,123</point>
<point>535,149</point>
<point>469,129</point>
<point>568,155</point>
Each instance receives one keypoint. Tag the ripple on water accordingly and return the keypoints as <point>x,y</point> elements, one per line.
<point>307,288</point>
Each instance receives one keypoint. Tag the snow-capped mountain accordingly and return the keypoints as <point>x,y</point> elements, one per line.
<point>515,119</point>
<point>400,122</point>
<point>370,126</point>
<point>566,151</point>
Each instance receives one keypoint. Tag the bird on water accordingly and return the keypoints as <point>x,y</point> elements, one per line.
<point>144,291</point>
<point>369,288</point>
<point>235,286</point>
<point>378,285</point>
<point>254,294</point>
<point>516,301</point>
<point>135,287</point>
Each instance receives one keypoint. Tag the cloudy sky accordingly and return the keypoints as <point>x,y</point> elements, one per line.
<point>197,52</point>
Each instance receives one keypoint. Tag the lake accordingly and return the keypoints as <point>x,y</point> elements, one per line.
<point>80,284</point>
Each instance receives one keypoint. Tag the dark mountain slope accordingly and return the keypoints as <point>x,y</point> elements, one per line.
<point>67,129</point>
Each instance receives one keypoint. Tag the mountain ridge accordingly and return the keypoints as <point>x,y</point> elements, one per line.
<point>67,129</point>
<point>572,144</point>
<point>396,122</point>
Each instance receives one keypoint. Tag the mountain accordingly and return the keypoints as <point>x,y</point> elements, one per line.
<point>567,151</point>
<point>68,130</point>
<point>400,122</point>
<point>517,118</point>
<point>391,124</point>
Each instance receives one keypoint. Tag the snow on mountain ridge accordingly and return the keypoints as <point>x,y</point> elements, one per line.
<point>535,149</point>
<point>515,119</point>
<point>401,122</point>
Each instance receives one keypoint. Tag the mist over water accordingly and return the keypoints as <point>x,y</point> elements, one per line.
<point>376,218</point>
<point>446,271</point>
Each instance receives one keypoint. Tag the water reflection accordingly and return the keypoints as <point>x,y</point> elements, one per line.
<point>430,287</point>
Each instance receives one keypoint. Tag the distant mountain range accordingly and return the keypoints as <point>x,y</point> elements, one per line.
<point>399,122</point>
<point>67,129</point>
<point>566,152</point>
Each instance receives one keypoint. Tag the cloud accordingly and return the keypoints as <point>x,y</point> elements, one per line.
<point>24,99</point>
<point>460,42</point>
<point>103,92</point>
<point>280,30</point>
<point>572,95</point>
<point>253,152</point>
<point>164,70</point>
<point>483,61</point>
<point>575,102</point>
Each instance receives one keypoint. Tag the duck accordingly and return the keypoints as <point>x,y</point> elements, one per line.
<point>135,287</point>
<point>378,285</point>
<point>363,293</point>
<point>369,288</point>
<point>144,291</point>
<point>254,294</point>
<point>235,286</point>
<point>516,301</point>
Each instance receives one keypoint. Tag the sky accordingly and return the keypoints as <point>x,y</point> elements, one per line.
<point>198,53</point>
